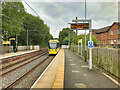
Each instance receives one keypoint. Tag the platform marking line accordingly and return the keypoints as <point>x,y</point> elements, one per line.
<point>116,82</point>
<point>80,85</point>
<point>72,64</point>
<point>43,72</point>
<point>59,79</point>
<point>85,66</point>
<point>75,71</point>
<point>70,60</point>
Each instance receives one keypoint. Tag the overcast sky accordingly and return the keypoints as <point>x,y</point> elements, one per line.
<point>57,15</point>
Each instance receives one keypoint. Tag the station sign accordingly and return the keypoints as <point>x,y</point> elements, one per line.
<point>12,39</point>
<point>6,42</point>
<point>80,41</point>
<point>79,26</point>
<point>90,44</point>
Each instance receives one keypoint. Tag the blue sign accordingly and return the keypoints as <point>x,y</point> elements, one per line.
<point>90,44</point>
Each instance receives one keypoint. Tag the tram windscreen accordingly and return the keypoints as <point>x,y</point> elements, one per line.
<point>53,45</point>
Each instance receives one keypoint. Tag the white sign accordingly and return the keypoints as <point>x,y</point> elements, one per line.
<point>90,44</point>
<point>65,46</point>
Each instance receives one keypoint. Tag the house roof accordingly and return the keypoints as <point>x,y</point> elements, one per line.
<point>105,29</point>
<point>118,23</point>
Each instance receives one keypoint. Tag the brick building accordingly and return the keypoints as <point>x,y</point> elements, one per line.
<point>109,35</point>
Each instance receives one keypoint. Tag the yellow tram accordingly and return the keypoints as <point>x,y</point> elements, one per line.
<point>53,46</point>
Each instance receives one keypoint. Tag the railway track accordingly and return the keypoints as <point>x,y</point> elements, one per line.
<point>17,81</point>
<point>14,73</point>
<point>14,58</point>
<point>20,61</point>
<point>32,59</point>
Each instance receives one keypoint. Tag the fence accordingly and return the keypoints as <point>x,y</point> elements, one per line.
<point>105,58</point>
<point>7,49</point>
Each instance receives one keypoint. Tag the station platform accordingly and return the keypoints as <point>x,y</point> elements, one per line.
<point>78,75</point>
<point>53,76</point>
<point>68,71</point>
<point>7,55</point>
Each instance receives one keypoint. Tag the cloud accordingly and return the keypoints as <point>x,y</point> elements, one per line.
<point>57,15</point>
<point>70,0</point>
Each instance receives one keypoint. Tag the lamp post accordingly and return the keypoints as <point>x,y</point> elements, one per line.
<point>28,34</point>
<point>17,40</point>
<point>85,36</point>
<point>1,36</point>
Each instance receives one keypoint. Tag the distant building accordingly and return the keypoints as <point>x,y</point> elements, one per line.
<point>109,35</point>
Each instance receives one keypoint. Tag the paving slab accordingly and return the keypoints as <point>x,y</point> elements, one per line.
<point>77,74</point>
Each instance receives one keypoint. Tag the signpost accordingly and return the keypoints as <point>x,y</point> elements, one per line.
<point>80,41</point>
<point>86,24</point>
<point>12,39</point>
<point>6,42</point>
<point>90,44</point>
<point>10,42</point>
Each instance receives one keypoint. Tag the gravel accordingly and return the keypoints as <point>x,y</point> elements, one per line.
<point>32,77</point>
<point>11,77</point>
<point>19,64</point>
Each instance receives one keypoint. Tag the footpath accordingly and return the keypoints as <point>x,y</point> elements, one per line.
<point>77,74</point>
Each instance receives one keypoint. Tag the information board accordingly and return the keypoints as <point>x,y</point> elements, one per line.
<point>79,26</point>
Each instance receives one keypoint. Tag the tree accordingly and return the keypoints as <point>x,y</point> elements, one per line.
<point>64,37</point>
<point>16,21</point>
<point>37,29</point>
<point>64,34</point>
<point>12,17</point>
<point>82,36</point>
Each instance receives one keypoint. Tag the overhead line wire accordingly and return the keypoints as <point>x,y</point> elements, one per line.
<point>18,21</point>
<point>32,9</point>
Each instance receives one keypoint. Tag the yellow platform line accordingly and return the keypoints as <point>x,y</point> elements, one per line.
<point>47,78</point>
<point>59,79</point>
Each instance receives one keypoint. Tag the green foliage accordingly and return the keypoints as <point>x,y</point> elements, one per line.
<point>64,35</point>
<point>82,36</point>
<point>38,32</point>
<point>14,10</point>
<point>16,21</point>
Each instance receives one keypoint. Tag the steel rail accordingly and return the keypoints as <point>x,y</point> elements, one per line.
<point>19,56</point>
<point>3,68</point>
<point>23,76</point>
<point>3,74</point>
